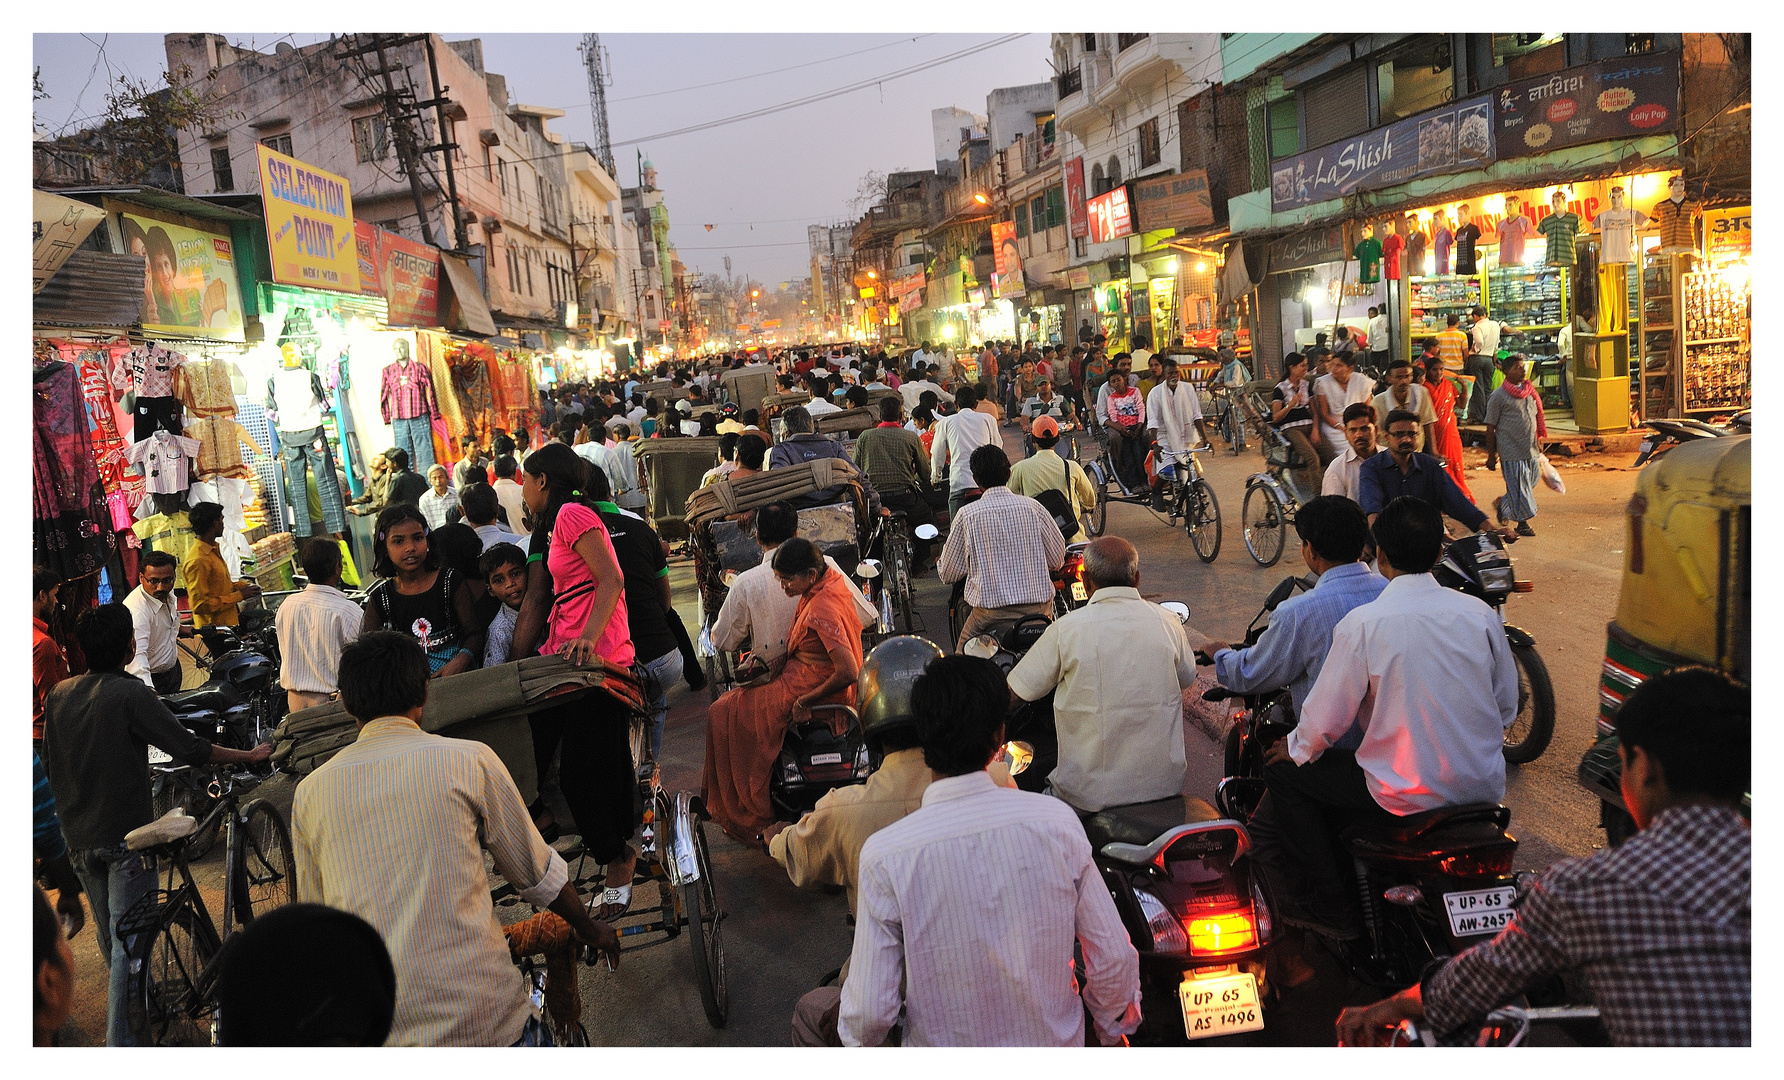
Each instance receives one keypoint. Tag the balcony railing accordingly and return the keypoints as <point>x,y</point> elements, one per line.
<point>1123,41</point>
<point>1071,82</point>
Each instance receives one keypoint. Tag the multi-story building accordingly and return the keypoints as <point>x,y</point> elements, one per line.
<point>1450,151</point>
<point>653,282</point>
<point>1118,122</point>
<point>596,229</point>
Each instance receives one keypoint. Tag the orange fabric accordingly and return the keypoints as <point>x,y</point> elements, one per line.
<point>745,726</point>
<point>1449,438</point>
<point>48,667</point>
<point>548,935</point>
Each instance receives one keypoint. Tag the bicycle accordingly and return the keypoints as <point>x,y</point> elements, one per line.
<point>1193,503</point>
<point>174,943</point>
<point>1229,416</point>
<point>1271,498</point>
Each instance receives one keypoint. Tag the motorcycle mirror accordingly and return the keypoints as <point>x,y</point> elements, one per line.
<point>1177,609</point>
<point>1279,593</point>
<point>728,577</point>
<point>867,568</point>
<point>927,532</point>
<point>1017,757</point>
<point>984,647</point>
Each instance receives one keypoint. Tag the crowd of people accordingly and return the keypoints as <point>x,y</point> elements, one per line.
<point>522,550</point>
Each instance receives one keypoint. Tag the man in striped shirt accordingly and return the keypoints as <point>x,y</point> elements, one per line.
<point>393,829</point>
<point>969,907</point>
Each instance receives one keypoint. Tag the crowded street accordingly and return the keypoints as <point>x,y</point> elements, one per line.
<point>1164,576</point>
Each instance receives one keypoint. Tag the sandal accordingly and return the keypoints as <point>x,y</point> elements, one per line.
<point>619,899</point>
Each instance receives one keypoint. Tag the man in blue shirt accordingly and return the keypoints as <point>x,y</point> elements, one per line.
<point>1292,650</point>
<point>1404,472</point>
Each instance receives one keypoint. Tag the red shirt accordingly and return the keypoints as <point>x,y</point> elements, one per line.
<point>49,666</point>
<point>1390,254</point>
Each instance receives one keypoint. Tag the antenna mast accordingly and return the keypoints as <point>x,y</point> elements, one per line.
<point>595,62</point>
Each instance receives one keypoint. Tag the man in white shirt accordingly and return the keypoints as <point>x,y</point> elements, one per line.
<point>956,437</point>
<point>757,609</point>
<point>156,616</point>
<point>1429,675</point>
<point>508,492</point>
<point>314,626</point>
<point>1359,432</point>
<point>1378,336</point>
<point>912,389</point>
<point>1119,665</point>
<point>1338,389</point>
<point>1171,408</point>
<point>1403,393</point>
<point>970,907</point>
<point>1483,339</point>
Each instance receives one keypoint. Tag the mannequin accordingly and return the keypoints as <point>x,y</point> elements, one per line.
<point>1441,241</point>
<point>409,405</point>
<point>1391,247</point>
<point>1368,253</point>
<point>1560,227</point>
<point>296,395</point>
<point>1616,229</point>
<point>1415,246</point>
<point>1676,215</point>
<point>1513,228</point>
<point>1467,233</point>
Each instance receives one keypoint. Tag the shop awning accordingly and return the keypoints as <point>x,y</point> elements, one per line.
<point>59,226</point>
<point>469,310</point>
<point>93,288</point>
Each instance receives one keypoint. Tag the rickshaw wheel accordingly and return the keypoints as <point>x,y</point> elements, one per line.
<point>702,903</point>
<point>1265,525</point>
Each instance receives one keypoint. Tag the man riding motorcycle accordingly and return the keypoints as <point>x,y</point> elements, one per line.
<point>1427,673</point>
<point>1120,665</point>
<point>1659,929</point>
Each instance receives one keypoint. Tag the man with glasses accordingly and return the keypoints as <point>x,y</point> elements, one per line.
<point>1403,471</point>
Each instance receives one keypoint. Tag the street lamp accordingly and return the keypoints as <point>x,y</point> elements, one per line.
<point>979,197</point>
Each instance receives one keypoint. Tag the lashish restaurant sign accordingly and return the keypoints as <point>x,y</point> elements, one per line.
<point>1624,98</point>
<point>1451,139</point>
<point>1310,248</point>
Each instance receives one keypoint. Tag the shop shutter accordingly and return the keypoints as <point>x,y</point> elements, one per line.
<point>1336,108</point>
<point>1267,349</point>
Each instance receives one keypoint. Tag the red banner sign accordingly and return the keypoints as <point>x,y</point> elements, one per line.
<point>409,278</point>
<point>1077,223</point>
<point>1110,216</point>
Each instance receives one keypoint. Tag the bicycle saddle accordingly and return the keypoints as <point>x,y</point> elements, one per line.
<point>173,826</point>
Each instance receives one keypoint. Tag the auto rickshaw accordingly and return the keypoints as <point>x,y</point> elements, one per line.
<point>1685,599</point>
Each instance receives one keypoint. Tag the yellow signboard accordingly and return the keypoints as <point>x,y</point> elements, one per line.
<point>1728,234</point>
<point>309,224</point>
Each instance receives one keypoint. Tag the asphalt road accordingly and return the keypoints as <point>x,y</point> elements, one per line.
<point>781,941</point>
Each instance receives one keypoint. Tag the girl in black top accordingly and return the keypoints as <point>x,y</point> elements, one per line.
<point>415,595</point>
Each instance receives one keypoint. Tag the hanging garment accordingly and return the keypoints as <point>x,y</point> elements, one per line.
<point>296,394</point>
<point>470,378</point>
<point>171,533</point>
<point>431,349</point>
<point>71,523</point>
<point>220,441</point>
<point>407,392</point>
<point>123,488</point>
<point>233,495</point>
<point>516,389</point>
<point>149,369</point>
<point>206,387</point>
<point>163,460</point>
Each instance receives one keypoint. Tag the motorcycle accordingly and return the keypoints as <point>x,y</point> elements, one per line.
<point>1178,873</point>
<point>1479,566</point>
<point>238,707</point>
<point>1664,435</point>
<point>815,760</point>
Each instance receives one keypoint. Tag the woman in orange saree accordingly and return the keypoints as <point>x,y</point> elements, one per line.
<point>745,726</point>
<point>1449,437</point>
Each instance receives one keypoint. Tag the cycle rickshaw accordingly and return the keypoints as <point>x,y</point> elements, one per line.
<point>1271,497</point>
<point>672,470</point>
<point>1190,501</point>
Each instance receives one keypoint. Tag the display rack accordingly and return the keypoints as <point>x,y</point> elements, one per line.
<point>1433,299</point>
<point>1654,307</point>
<point>1528,298</point>
<point>1717,363</point>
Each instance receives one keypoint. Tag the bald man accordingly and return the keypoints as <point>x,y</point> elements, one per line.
<point>1120,665</point>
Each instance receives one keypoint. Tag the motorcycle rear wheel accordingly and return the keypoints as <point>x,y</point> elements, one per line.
<point>1529,734</point>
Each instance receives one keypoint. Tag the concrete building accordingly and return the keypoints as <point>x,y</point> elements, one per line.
<point>597,228</point>
<point>653,281</point>
<point>950,127</point>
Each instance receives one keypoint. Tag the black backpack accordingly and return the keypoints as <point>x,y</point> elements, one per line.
<point>1059,505</point>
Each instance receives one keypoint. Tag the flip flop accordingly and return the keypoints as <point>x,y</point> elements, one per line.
<point>620,899</point>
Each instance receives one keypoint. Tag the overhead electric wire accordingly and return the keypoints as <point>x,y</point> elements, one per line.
<point>761,74</point>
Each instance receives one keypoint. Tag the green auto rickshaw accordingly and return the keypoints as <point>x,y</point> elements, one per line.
<point>1687,576</point>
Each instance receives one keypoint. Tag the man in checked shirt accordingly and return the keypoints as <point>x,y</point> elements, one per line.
<point>1658,930</point>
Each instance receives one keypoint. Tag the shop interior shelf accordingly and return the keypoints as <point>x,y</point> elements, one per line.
<point>1711,340</point>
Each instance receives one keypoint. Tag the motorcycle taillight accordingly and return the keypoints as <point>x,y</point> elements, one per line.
<point>1478,863</point>
<point>1212,933</point>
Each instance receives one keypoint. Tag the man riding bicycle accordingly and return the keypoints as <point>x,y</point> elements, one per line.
<point>895,463</point>
<point>1170,410</point>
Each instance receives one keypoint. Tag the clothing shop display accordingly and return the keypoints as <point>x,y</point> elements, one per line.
<point>1676,219</point>
<point>1466,237</point>
<point>123,488</point>
<point>515,390</point>
<point>1512,233</point>
<point>1390,254</point>
<point>157,414</point>
<point>297,396</point>
<point>409,406</point>
<point>1442,241</point>
<point>1560,230</point>
<point>1368,254</point>
<point>1415,253</point>
<point>302,451</point>
<point>149,370</point>
<point>220,450</point>
<point>163,460</point>
<point>476,399</point>
<point>71,523</point>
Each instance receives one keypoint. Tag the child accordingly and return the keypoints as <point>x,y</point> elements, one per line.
<point>504,568</point>
<point>417,596</point>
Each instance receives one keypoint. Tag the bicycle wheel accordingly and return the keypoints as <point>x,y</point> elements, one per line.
<point>1265,524</point>
<point>900,582</point>
<point>1096,515</point>
<point>704,918</point>
<point>1529,734</point>
<point>265,874</point>
<point>164,1006</point>
<point>1201,519</point>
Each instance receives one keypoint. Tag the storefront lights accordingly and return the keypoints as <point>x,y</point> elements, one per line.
<point>1201,268</point>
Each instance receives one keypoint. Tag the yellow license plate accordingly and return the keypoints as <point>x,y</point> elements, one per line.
<point>1220,1005</point>
<point>1078,593</point>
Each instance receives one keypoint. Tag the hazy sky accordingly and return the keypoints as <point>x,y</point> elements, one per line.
<point>758,182</point>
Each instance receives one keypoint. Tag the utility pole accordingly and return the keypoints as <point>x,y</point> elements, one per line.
<point>398,105</point>
<point>445,146</point>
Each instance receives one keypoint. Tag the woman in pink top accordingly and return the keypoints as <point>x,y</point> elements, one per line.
<point>1126,417</point>
<point>587,627</point>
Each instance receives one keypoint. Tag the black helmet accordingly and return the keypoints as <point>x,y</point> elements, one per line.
<point>884,688</point>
